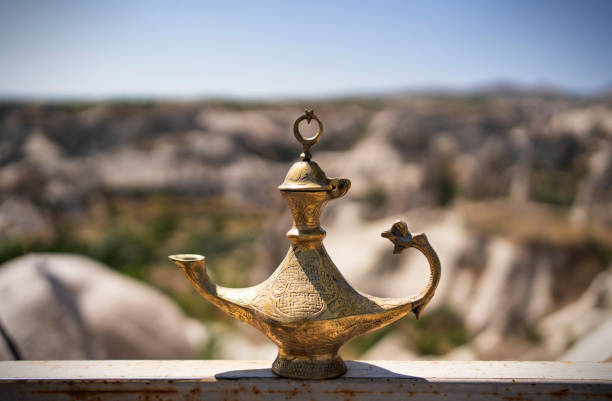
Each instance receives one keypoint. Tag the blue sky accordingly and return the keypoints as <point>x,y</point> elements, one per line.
<point>271,49</point>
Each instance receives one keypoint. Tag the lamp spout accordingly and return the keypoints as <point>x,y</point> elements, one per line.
<point>234,301</point>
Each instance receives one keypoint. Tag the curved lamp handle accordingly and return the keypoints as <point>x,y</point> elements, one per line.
<point>403,239</point>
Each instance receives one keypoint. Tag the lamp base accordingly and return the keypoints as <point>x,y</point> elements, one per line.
<point>309,367</point>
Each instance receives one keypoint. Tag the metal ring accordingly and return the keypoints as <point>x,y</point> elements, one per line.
<point>307,142</point>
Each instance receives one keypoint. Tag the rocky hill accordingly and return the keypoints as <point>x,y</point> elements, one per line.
<point>513,189</point>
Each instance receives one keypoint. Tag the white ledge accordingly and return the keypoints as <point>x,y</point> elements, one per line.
<point>253,380</point>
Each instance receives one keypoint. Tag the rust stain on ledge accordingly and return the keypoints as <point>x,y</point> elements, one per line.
<point>181,380</point>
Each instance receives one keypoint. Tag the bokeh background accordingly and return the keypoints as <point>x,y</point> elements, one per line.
<point>131,131</point>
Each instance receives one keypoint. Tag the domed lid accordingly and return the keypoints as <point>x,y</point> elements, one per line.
<point>306,175</point>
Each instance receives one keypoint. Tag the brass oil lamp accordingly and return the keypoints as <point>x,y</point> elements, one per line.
<point>306,307</point>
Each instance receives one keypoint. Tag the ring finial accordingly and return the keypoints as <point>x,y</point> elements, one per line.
<point>307,142</point>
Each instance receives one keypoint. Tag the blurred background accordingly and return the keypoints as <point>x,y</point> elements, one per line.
<point>131,131</point>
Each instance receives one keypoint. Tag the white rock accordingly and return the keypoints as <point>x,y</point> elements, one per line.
<point>580,122</point>
<point>255,122</point>
<point>502,254</point>
<point>58,306</point>
<point>461,292</point>
<point>245,343</point>
<point>594,347</point>
<point>19,218</point>
<point>40,150</point>
<point>463,353</point>
<point>540,299</point>
<point>578,318</point>
<point>390,347</point>
<point>488,340</point>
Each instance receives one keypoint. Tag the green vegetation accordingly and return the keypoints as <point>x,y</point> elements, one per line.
<point>447,188</point>
<point>531,334</point>
<point>135,235</point>
<point>555,187</point>
<point>436,333</point>
<point>375,200</point>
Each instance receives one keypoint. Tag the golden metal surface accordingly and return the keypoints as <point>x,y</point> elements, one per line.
<point>306,307</point>
<point>307,142</point>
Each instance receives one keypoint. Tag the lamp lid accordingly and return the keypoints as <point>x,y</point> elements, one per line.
<point>305,176</point>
